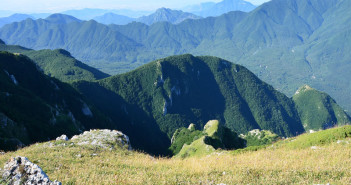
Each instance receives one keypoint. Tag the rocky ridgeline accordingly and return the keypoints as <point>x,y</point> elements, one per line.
<point>19,170</point>
<point>100,138</point>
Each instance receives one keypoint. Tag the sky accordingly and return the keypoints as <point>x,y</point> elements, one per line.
<point>54,6</point>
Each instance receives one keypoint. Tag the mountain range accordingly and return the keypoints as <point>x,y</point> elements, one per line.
<point>151,102</point>
<point>161,15</point>
<point>286,43</point>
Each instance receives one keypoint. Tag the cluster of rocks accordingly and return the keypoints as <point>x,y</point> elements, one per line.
<point>100,138</point>
<point>19,170</point>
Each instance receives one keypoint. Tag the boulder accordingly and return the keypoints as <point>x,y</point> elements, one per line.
<point>19,170</point>
<point>103,138</point>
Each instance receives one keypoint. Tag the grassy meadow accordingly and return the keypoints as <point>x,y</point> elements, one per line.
<point>325,159</point>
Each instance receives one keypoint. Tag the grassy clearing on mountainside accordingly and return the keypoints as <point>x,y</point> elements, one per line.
<point>328,162</point>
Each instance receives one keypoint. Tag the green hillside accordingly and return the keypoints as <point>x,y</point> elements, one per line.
<point>35,107</point>
<point>58,63</point>
<point>167,94</point>
<point>318,110</point>
<point>287,43</point>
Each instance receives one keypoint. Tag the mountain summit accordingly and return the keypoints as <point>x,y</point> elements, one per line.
<point>318,110</point>
<point>61,19</point>
<point>167,15</point>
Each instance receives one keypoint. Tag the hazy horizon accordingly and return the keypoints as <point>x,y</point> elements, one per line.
<point>56,6</point>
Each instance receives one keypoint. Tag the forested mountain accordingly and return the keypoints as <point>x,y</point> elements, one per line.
<point>35,107</point>
<point>162,96</point>
<point>318,110</point>
<point>151,102</point>
<point>58,63</point>
<point>287,43</point>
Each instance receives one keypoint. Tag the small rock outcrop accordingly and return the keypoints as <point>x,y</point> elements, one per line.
<point>19,170</point>
<point>103,138</point>
<point>62,138</point>
<point>214,136</point>
<point>258,137</point>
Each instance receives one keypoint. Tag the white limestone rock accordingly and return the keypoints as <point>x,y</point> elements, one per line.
<point>103,138</point>
<point>62,138</point>
<point>19,170</point>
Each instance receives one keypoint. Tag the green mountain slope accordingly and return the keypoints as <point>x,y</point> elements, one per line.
<point>35,107</point>
<point>164,95</point>
<point>318,110</point>
<point>287,43</point>
<point>58,63</point>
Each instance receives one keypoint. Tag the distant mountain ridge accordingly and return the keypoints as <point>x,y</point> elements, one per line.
<point>61,19</point>
<point>13,18</point>
<point>160,15</point>
<point>58,63</point>
<point>167,15</point>
<point>111,18</point>
<point>217,9</point>
<point>90,13</point>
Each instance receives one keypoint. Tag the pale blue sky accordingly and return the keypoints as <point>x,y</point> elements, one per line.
<point>51,6</point>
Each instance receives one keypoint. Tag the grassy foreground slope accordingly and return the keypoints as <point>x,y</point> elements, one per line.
<point>328,162</point>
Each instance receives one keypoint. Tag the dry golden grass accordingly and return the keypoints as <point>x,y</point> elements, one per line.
<point>327,164</point>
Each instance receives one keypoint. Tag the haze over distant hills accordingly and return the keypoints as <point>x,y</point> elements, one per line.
<point>89,13</point>
<point>160,15</point>
<point>216,9</point>
<point>167,15</point>
<point>111,18</point>
<point>14,18</point>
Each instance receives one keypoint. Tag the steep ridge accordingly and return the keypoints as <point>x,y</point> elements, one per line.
<point>35,107</point>
<point>164,95</point>
<point>57,63</point>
